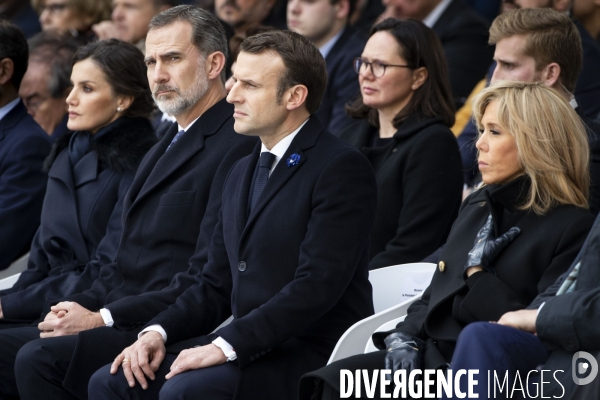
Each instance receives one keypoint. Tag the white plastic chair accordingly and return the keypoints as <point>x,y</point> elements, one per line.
<point>9,276</point>
<point>354,339</point>
<point>395,288</point>
<point>394,285</point>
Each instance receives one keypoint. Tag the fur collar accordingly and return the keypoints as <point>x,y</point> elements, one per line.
<point>121,148</point>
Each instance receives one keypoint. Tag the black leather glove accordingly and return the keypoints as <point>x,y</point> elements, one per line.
<point>486,248</point>
<point>404,351</point>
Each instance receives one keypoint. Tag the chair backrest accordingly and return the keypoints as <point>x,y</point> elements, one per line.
<point>16,267</point>
<point>398,283</point>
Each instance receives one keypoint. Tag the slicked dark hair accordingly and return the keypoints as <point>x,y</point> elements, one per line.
<point>207,33</point>
<point>55,51</point>
<point>13,45</point>
<point>125,71</point>
<point>304,64</point>
<point>420,47</point>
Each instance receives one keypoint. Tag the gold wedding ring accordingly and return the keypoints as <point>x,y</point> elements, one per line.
<point>125,360</point>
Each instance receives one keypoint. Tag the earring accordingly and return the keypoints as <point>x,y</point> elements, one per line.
<point>119,109</point>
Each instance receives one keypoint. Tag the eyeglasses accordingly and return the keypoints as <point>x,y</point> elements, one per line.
<point>55,8</point>
<point>377,68</point>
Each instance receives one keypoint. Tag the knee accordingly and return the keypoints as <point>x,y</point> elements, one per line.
<point>30,357</point>
<point>104,385</point>
<point>476,332</point>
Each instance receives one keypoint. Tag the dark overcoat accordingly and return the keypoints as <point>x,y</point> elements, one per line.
<point>81,217</point>
<point>172,194</point>
<point>464,36</point>
<point>342,81</point>
<point>294,272</point>
<point>419,188</point>
<point>23,148</point>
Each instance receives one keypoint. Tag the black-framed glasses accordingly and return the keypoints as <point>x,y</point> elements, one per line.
<point>377,68</point>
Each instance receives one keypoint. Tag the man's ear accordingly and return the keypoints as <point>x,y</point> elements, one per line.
<point>215,62</point>
<point>7,69</point>
<point>295,97</point>
<point>342,8</point>
<point>551,74</point>
<point>561,5</point>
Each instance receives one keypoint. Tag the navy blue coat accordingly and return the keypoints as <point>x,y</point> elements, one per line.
<point>81,217</point>
<point>342,81</point>
<point>23,148</point>
<point>294,272</point>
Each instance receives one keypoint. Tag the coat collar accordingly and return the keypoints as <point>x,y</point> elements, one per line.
<point>12,118</point>
<point>304,140</point>
<point>161,163</point>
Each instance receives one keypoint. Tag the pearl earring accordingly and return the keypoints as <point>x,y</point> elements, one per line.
<point>119,109</point>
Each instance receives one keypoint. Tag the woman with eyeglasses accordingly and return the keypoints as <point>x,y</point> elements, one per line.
<point>406,109</point>
<point>72,17</point>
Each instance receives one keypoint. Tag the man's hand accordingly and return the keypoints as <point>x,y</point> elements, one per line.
<point>522,319</point>
<point>107,30</point>
<point>196,358</point>
<point>141,359</point>
<point>1,313</point>
<point>69,318</point>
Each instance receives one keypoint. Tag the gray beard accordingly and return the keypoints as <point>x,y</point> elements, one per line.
<point>183,99</point>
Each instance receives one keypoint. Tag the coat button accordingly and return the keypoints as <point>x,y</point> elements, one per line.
<point>242,266</point>
<point>442,266</point>
<point>251,358</point>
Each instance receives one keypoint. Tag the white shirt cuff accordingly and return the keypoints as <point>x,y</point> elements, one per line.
<point>226,348</point>
<point>107,317</point>
<point>540,309</point>
<point>154,328</point>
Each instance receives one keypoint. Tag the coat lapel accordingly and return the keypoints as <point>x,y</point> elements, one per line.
<point>86,169</point>
<point>243,195</point>
<point>305,139</point>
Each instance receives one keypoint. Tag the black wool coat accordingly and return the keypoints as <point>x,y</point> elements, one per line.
<point>81,217</point>
<point>419,188</point>
<point>543,251</point>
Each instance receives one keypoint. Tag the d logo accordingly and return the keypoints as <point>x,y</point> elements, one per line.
<point>582,367</point>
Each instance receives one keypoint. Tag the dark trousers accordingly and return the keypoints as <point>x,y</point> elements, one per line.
<point>214,383</point>
<point>37,368</point>
<point>498,349</point>
<point>11,341</point>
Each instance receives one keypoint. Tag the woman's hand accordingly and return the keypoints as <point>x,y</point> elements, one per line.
<point>404,351</point>
<point>486,248</point>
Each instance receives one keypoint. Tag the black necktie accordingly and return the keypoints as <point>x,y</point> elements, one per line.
<point>79,146</point>
<point>262,176</point>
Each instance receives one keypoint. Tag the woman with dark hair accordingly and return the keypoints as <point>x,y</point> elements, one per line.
<point>407,110</point>
<point>511,241</point>
<point>89,172</point>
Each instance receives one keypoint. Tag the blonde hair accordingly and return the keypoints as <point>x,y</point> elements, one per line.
<point>550,36</point>
<point>95,10</point>
<point>552,142</point>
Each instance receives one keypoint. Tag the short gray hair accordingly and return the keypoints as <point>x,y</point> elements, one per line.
<point>208,34</point>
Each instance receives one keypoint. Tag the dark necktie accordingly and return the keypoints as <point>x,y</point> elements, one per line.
<point>79,146</point>
<point>262,176</point>
<point>176,138</point>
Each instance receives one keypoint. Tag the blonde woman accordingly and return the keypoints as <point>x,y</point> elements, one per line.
<point>512,239</point>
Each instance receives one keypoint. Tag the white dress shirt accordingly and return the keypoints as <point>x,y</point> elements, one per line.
<point>436,13</point>
<point>8,108</point>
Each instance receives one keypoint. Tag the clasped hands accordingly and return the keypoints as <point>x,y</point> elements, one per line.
<point>142,359</point>
<point>68,318</point>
